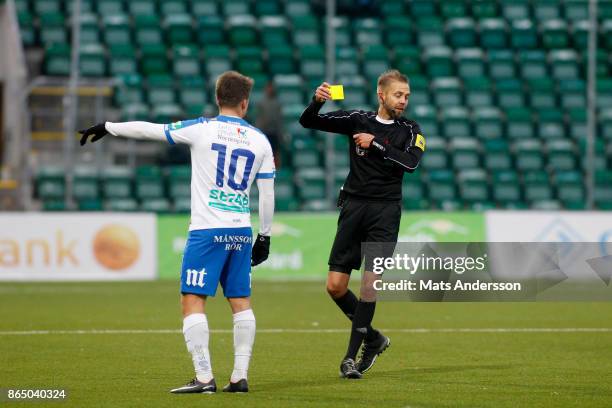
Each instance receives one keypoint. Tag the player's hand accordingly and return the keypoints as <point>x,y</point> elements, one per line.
<point>98,131</point>
<point>363,140</point>
<point>322,93</point>
<point>261,250</point>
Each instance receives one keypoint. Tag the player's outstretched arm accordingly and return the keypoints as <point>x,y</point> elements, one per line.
<point>261,248</point>
<point>134,130</point>
<point>342,122</point>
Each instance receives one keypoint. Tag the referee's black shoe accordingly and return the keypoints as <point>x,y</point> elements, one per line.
<point>348,370</point>
<point>196,387</point>
<point>371,351</point>
<point>240,386</point>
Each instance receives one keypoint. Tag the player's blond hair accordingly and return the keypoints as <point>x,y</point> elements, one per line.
<point>232,88</point>
<point>389,76</point>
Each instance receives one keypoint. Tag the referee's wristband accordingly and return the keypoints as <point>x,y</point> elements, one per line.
<point>379,144</point>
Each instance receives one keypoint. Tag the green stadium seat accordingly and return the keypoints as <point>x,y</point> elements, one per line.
<point>210,30</point>
<point>497,155</point>
<point>116,182</point>
<point>268,8</point>
<point>186,61</point>
<point>564,64</point>
<point>478,92</point>
<point>519,123</point>
<point>447,92</point>
<point>450,9</point>
<point>603,189</point>
<point>577,123</point>
<point>426,116</point>
<point>532,64</point>
<point>274,31</point>
<point>167,113</point>
<point>289,89</point>
<point>501,64</point>
<point>375,61</point>
<point>168,7</point>
<point>456,123</point>
<point>54,205</point>
<point>605,124</point>
<point>231,8</point>
<point>398,29</point>
<point>423,8</point>
<point>90,205</point>
<point>537,186</point>
<point>408,60</point>
<point>305,150</point>
<point>26,28</point>
<point>355,92</point>
<point>441,186</point>
<point>572,93</point>
<point>57,59</point>
<point>149,183</point>
<point>154,59</point>
<point>488,123</point>
<point>85,184</point>
<point>312,183</point>
<point>542,93</point>
<point>547,9</point>
<point>473,185</point>
<point>509,94</point>
<point>419,87</point>
<point>134,111</point>
<point>523,35</point>
<point>436,157</point>
<point>546,205</point>
<point>413,193</point>
<point>470,63</point>
<point>121,205</point>
<point>139,8</point>
<point>192,93</point>
<point>249,60</point>
<point>392,8</point>
<point>561,155</point>
<point>129,90</point>
<point>204,8</point>
<point>554,34</point>
<point>305,30</point>
<point>367,31</point>
<point>599,150</point>
<point>493,33</point>
<point>515,9</point>
<point>52,28</point>
<point>346,61</point>
<point>606,29</point>
<point>87,6</point>
<point>160,90</point>
<point>484,9</point>
<point>182,206</point>
<point>580,34</point>
<point>50,183</point>
<point>461,32</point>
<point>109,7</point>
<point>178,182</point>
<point>297,8</point>
<point>438,61</point>
<point>117,30</point>
<point>156,205</point>
<point>430,32</point>
<point>576,10</point>
<point>46,6</point>
<point>465,152</point>
<point>506,187</point>
<point>179,28</point>
<point>570,188</point>
<point>342,31</point>
<point>528,155</point>
<point>604,93</point>
<point>280,60</point>
<point>551,124</point>
<point>93,60</point>
<point>90,32</point>
<point>217,59</point>
<point>147,29</point>
<point>312,62</point>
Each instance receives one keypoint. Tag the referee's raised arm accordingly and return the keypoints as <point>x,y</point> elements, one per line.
<point>335,122</point>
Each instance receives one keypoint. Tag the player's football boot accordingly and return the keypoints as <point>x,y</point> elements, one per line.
<point>240,386</point>
<point>195,387</point>
<point>348,370</point>
<point>370,351</point>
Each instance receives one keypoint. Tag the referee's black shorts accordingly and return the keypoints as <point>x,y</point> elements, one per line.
<point>363,221</point>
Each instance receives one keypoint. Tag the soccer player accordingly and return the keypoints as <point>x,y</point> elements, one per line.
<point>383,146</point>
<point>227,154</point>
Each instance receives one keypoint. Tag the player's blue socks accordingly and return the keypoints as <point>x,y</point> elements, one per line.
<point>195,330</point>
<point>348,304</point>
<point>361,321</point>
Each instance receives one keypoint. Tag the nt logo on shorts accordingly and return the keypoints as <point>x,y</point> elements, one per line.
<point>195,278</point>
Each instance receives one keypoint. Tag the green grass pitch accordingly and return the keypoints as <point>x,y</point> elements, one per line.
<point>139,354</point>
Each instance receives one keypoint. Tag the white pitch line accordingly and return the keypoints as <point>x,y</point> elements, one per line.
<point>319,331</point>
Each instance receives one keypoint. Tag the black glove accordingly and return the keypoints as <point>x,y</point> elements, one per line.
<point>261,250</point>
<point>99,131</point>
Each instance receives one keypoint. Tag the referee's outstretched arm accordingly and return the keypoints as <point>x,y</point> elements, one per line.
<point>342,122</point>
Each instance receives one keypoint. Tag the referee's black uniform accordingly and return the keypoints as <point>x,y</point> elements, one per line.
<point>371,210</point>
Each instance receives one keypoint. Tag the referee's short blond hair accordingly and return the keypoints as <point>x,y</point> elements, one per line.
<point>391,75</point>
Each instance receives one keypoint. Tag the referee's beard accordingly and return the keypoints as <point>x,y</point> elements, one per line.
<point>391,111</point>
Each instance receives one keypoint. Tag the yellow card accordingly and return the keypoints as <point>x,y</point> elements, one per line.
<point>337,92</point>
<point>420,142</point>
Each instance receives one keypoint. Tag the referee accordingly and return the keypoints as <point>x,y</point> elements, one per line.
<point>383,146</point>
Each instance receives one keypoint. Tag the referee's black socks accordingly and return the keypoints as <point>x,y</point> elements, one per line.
<point>361,321</point>
<point>348,304</point>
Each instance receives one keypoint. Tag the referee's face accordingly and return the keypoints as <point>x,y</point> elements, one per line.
<point>394,98</point>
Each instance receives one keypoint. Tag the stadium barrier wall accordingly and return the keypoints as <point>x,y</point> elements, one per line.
<point>77,246</point>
